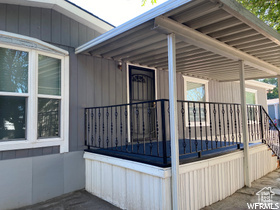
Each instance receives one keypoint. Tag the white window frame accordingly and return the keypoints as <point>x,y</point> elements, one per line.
<point>205,83</point>
<point>253,91</point>
<point>31,140</point>
<point>256,101</point>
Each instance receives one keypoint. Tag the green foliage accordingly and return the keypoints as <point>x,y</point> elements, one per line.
<point>152,1</point>
<point>273,93</point>
<point>266,10</point>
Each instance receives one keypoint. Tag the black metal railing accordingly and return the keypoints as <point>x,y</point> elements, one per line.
<point>141,131</point>
<point>271,134</point>
<point>137,128</point>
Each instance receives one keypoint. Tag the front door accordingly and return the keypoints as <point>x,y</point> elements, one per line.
<point>142,89</point>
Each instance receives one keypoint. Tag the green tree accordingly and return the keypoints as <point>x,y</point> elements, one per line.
<point>266,10</point>
<point>273,93</point>
<point>152,1</point>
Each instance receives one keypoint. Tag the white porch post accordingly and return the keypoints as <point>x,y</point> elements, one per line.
<point>244,126</point>
<point>173,119</point>
<point>277,116</point>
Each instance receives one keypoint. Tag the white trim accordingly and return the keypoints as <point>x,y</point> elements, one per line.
<point>32,141</point>
<point>25,144</point>
<point>196,80</point>
<point>260,84</point>
<point>48,96</point>
<point>159,10</point>
<point>67,9</point>
<point>253,91</point>
<point>144,67</point>
<point>13,39</point>
<point>128,164</point>
<point>200,81</point>
<point>15,94</point>
<point>65,118</point>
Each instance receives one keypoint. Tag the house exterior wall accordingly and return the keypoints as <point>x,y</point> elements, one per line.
<point>36,174</point>
<point>45,24</point>
<point>27,181</point>
<point>227,92</point>
<point>52,27</point>
<point>98,82</point>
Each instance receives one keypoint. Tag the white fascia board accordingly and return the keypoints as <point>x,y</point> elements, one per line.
<point>66,9</point>
<point>81,16</point>
<point>260,84</point>
<point>237,10</point>
<point>166,25</point>
<point>149,15</point>
<point>34,40</point>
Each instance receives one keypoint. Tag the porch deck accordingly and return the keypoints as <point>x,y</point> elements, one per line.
<point>153,159</point>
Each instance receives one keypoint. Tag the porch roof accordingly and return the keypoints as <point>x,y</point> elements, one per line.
<point>212,35</point>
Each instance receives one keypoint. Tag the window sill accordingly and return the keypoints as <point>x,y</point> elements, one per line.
<point>25,144</point>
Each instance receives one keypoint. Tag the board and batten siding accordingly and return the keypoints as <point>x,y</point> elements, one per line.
<point>45,24</point>
<point>57,29</point>
<point>99,82</point>
<point>133,185</point>
<point>94,82</point>
<point>227,92</point>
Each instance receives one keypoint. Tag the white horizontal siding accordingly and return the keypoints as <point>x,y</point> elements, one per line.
<point>132,185</point>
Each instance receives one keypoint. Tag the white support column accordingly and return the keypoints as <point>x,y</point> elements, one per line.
<point>244,126</point>
<point>173,120</point>
<point>277,110</point>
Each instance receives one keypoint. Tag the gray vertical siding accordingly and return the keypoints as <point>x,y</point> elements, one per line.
<point>85,80</point>
<point>96,82</point>
<point>163,86</point>
<point>45,24</point>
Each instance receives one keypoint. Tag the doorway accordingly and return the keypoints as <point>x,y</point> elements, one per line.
<point>143,115</point>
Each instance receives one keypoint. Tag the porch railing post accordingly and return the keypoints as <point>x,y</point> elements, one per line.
<point>244,125</point>
<point>85,126</point>
<point>261,124</point>
<point>163,127</point>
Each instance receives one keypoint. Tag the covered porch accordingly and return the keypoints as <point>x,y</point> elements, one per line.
<point>217,41</point>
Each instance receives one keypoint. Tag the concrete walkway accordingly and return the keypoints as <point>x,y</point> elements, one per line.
<point>78,200</point>
<point>246,195</point>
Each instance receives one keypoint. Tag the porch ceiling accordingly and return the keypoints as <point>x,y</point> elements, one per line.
<point>229,33</point>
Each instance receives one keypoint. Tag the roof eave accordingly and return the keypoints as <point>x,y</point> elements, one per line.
<point>237,10</point>
<point>67,9</point>
<point>260,84</point>
<point>149,15</point>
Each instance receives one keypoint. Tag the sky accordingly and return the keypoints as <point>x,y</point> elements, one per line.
<point>116,12</point>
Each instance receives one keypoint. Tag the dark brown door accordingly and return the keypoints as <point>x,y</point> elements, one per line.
<point>142,89</point>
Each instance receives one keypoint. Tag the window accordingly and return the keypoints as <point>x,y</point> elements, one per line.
<point>251,100</point>
<point>251,96</point>
<point>13,93</point>
<point>33,93</point>
<point>196,90</point>
<point>49,85</point>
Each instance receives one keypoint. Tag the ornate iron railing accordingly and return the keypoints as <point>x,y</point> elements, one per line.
<point>141,131</point>
<point>271,134</point>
